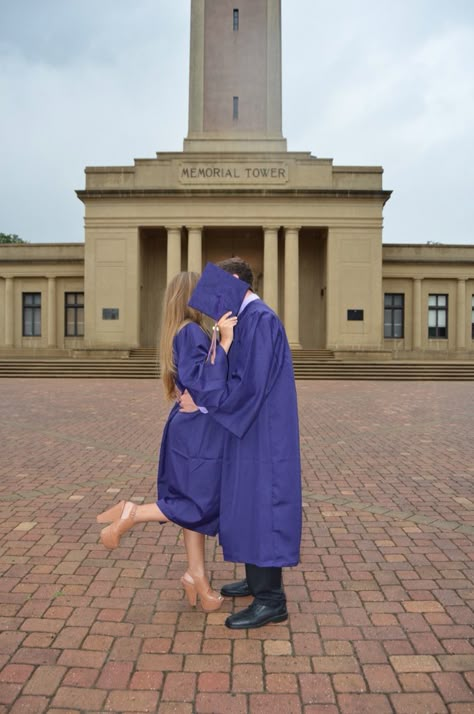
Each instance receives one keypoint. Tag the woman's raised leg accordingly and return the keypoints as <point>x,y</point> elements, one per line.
<point>149,512</point>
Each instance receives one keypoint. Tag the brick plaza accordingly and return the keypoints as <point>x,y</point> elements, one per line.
<point>381,607</point>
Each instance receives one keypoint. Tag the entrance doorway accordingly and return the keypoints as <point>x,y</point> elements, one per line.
<point>247,243</point>
<point>312,282</point>
<point>152,283</point>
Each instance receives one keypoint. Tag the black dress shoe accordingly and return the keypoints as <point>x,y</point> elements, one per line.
<point>257,615</point>
<point>239,589</point>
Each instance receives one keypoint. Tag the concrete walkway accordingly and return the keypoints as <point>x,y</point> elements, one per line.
<point>382,604</point>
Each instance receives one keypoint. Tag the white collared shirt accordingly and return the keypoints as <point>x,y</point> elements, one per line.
<point>247,299</point>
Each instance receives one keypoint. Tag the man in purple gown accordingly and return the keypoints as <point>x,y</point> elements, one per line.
<point>260,510</point>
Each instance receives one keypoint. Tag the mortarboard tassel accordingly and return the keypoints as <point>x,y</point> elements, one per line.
<point>211,355</point>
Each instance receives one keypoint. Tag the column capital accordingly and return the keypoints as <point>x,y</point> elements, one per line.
<point>292,230</point>
<point>462,280</point>
<point>173,228</point>
<point>417,280</point>
<point>271,228</point>
<point>194,228</point>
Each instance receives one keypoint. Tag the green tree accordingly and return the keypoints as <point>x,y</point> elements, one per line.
<point>10,238</point>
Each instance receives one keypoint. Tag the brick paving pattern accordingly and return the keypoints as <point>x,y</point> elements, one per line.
<point>381,607</point>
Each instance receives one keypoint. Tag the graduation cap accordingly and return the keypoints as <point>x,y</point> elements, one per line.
<point>218,292</point>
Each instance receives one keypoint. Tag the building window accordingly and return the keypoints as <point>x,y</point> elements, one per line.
<point>31,314</point>
<point>394,315</point>
<point>235,112</point>
<point>472,317</point>
<point>74,316</point>
<point>438,316</point>
<point>236,20</point>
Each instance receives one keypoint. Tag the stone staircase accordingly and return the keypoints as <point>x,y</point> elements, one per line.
<point>308,365</point>
<point>393,371</point>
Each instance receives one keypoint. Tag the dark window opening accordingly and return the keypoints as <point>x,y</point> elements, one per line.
<point>472,317</point>
<point>355,315</point>
<point>438,316</point>
<point>110,313</point>
<point>235,111</point>
<point>74,314</point>
<point>236,20</point>
<point>31,314</point>
<point>394,316</point>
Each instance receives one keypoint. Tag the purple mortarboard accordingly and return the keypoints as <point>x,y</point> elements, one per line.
<point>218,292</point>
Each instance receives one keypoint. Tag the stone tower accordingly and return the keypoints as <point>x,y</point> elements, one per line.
<point>235,101</point>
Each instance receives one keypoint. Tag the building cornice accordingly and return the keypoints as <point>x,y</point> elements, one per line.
<point>234,192</point>
<point>35,261</point>
<point>432,261</point>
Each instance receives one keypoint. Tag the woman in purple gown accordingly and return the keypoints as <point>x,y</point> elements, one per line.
<point>190,464</point>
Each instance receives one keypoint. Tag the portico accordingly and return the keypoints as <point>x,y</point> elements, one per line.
<point>272,250</point>
<point>146,222</point>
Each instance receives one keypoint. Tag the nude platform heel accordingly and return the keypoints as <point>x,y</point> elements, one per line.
<point>195,587</point>
<point>110,536</point>
<point>112,513</point>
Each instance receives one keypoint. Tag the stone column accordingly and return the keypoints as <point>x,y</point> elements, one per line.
<point>195,249</point>
<point>174,253</point>
<point>51,312</point>
<point>270,267</point>
<point>9,313</point>
<point>292,300</point>
<point>461,315</point>
<point>417,316</point>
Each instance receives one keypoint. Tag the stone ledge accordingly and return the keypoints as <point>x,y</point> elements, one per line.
<point>100,353</point>
<point>363,355</point>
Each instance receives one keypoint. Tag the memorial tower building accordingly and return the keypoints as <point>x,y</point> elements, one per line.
<point>311,230</point>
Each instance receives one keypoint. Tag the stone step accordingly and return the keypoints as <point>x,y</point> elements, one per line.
<point>152,353</point>
<point>305,369</point>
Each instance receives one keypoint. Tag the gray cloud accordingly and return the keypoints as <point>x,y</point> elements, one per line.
<point>368,82</point>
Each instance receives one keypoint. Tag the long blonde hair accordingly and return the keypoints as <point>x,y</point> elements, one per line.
<point>176,314</point>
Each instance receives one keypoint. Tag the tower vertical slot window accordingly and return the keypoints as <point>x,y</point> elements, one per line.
<point>236,20</point>
<point>235,108</point>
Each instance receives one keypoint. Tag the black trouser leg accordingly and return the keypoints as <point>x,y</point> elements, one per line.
<point>265,584</point>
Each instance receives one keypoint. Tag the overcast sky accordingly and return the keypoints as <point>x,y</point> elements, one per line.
<point>101,82</point>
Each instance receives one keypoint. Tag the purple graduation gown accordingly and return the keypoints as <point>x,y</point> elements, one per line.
<point>260,512</point>
<point>192,445</point>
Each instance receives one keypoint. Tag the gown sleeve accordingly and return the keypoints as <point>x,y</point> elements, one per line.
<point>195,372</point>
<point>237,405</point>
